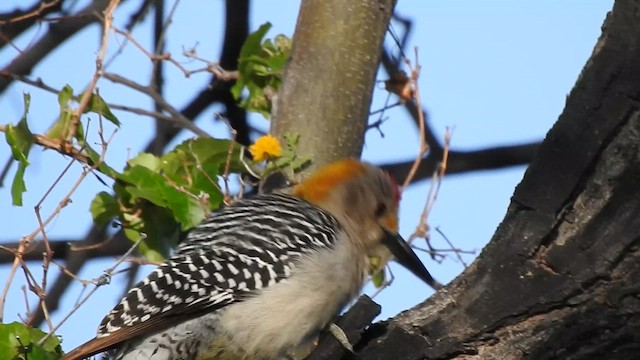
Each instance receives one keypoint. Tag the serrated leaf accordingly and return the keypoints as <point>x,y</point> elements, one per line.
<point>104,208</point>
<point>260,68</point>
<point>174,192</point>
<point>300,163</point>
<point>291,139</point>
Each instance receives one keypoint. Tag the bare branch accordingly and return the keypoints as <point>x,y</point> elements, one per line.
<point>180,119</point>
<point>56,144</point>
<point>57,34</point>
<point>88,93</point>
<point>15,23</point>
<point>465,161</point>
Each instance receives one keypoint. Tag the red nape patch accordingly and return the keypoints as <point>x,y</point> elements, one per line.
<point>397,194</point>
<point>317,187</point>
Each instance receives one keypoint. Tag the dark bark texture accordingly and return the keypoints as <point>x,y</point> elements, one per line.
<point>561,277</point>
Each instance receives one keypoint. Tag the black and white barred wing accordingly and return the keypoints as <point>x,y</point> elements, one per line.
<point>239,250</point>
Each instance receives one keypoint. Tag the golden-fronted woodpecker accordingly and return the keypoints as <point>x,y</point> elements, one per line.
<point>261,278</point>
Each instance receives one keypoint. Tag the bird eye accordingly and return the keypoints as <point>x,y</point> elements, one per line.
<point>381,209</point>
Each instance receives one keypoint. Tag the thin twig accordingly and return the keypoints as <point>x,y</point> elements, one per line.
<point>211,67</point>
<point>26,299</point>
<point>386,283</point>
<point>142,261</point>
<point>424,147</point>
<point>42,225</point>
<point>40,84</point>
<point>454,249</point>
<point>179,119</point>
<point>88,93</point>
<point>227,165</point>
<point>104,279</point>
<point>41,8</point>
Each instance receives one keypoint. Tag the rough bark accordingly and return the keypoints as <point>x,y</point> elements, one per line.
<point>560,278</point>
<point>335,42</point>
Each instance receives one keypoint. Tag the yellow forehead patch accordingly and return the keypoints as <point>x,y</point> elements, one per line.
<point>318,186</point>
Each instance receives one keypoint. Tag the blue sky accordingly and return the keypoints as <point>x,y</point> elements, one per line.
<point>497,71</point>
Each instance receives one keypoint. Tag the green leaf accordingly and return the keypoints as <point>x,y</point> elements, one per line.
<point>64,96</point>
<point>146,160</point>
<point>104,208</point>
<point>162,196</point>
<point>60,128</point>
<point>20,139</point>
<point>290,163</point>
<point>196,164</point>
<point>260,68</point>
<point>186,209</point>
<point>145,184</point>
<point>161,230</point>
<point>18,341</point>
<point>99,106</point>
<point>103,167</point>
<point>18,187</point>
<point>153,187</point>
<point>251,46</point>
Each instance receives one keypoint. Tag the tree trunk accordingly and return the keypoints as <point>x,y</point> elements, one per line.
<point>329,80</point>
<point>560,279</point>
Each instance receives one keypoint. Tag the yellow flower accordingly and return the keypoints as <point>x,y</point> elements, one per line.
<point>266,147</point>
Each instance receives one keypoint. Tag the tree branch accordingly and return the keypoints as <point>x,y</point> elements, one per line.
<point>465,161</point>
<point>57,34</point>
<point>63,248</point>
<point>14,23</point>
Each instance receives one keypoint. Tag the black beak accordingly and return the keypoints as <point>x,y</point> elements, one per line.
<point>406,257</point>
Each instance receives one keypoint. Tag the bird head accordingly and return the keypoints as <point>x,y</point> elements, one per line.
<point>366,200</point>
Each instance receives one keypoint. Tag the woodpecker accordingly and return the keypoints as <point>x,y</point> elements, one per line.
<point>262,277</point>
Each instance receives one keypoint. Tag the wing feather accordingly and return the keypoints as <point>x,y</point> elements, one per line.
<point>238,251</point>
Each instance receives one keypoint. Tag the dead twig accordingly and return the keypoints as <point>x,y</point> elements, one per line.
<point>424,147</point>
<point>178,118</point>
<point>42,7</point>
<point>88,93</point>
